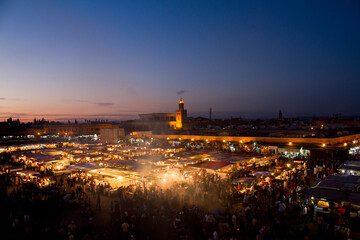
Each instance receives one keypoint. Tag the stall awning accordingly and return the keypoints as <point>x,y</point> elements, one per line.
<point>214,165</point>
<point>85,167</point>
<point>260,173</point>
<point>243,180</point>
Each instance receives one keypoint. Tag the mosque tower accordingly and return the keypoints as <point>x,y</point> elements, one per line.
<point>181,117</point>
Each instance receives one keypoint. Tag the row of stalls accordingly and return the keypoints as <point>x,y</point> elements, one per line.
<point>40,179</point>
<point>127,165</point>
<point>104,176</point>
<point>350,168</point>
<point>336,194</point>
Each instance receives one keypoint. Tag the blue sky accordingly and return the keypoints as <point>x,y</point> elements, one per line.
<point>115,59</point>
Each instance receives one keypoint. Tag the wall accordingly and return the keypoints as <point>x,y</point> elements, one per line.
<point>338,141</point>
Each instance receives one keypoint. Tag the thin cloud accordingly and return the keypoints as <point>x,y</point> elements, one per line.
<point>181,92</point>
<point>13,114</point>
<point>67,116</point>
<point>100,104</point>
<point>11,99</point>
<point>129,111</point>
<point>103,104</point>
<point>111,115</point>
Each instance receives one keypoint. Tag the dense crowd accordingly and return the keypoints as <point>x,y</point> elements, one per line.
<point>75,207</point>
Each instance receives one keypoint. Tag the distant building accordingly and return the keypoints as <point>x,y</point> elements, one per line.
<point>141,134</point>
<point>76,129</point>
<point>161,122</point>
<point>165,119</point>
<point>112,135</point>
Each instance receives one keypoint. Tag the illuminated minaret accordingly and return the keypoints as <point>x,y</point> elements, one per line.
<point>181,117</point>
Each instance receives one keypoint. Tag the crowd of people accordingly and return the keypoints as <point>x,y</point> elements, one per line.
<point>208,207</point>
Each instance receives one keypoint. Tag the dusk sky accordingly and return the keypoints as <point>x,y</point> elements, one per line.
<point>115,59</point>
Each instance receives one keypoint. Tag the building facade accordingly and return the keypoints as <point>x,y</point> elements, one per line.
<point>161,122</point>
<point>76,129</point>
<point>112,135</point>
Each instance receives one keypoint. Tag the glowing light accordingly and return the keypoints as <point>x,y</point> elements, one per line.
<point>324,145</point>
<point>168,138</point>
<point>206,140</point>
<point>290,143</point>
<point>288,164</point>
<point>164,180</point>
<point>192,139</point>
<point>180,139</point>
<point>241,141</point>
<point>224,140</point>
<point>119,178</point>
<point>345,144</point>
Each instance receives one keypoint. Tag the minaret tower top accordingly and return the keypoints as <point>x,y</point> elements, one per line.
<point>181,104</point>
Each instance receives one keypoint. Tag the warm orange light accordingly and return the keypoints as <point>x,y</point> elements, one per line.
<point>290,143</point>
<point>224,140</point>
<point>345,144</point>
<point>206,140</point>
<point>324,145</point>
<point>241,141</point>
<point>192,139</point>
